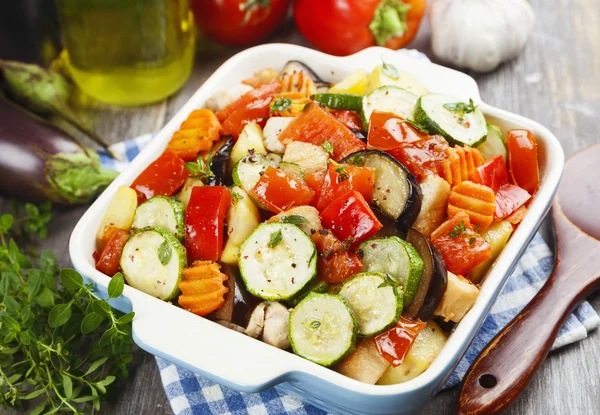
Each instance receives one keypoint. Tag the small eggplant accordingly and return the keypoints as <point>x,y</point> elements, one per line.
<point>40,162</point>
<point>297,66</point>
<point>397,192</point>
<point>433,280</point>
<point>219,162</point>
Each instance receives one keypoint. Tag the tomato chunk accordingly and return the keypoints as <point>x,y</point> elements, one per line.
<point>350,218</point>
<point>278,191</point>
<point>315,182</point>
<point>395,343</point>
<point>509,198</point>
<point>113,244</point>
<point>461,247</point>
<point>388,131</point>
<point>205,222</point>
<point>342,178</point>
<point>493,173</point>
<point>423,157</point>
<point>350,119</point>
<point>315,125</point>
<point>264,91</point>
<point>257,111</point>
<point>163,177</point>
<point>523,159</point>
<point>335,264</point>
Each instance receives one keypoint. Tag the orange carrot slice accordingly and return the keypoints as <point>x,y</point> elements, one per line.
<point>476,200</point>
<point>197,133</point>
<point>203,290</point>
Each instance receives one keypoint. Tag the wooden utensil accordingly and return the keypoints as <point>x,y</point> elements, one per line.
<point>504,368</point>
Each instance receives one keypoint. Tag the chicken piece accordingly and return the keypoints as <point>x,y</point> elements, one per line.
<point>257,321</point>
<point>433,206</point>
<point>275,331</point>
<point>312,222</point>
<point>223,98</point>
<point>274,127</point>
<point>459,297</point>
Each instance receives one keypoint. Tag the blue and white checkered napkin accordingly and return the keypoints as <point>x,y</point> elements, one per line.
<point>190,394</point>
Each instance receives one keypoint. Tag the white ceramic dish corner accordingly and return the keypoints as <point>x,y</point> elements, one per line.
<point>245,364</point>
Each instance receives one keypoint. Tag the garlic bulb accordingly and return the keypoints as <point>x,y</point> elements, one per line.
<point>480,34</point>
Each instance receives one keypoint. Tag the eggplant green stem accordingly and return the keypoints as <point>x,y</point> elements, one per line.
<point>389,20</point>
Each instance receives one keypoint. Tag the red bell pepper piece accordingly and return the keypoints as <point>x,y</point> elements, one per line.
<point>342,178</point>
<point>278,191</point>
<point>509,198</point>
<point>114,240</point>
<point>388,131</point>
<point>523,159</point>
<point>423,157</point>
<point>461,247</point>
<point>204,222</point>
<point>395,343</point>
<point>350,218</point>
<point>315,125</point>
<point>257,111</point>
<point>163,177</point>
<point>493,173</point>
<point>336,264</point>
<point>267,90</point>
<point>350,119</point>
<point>315,182</point>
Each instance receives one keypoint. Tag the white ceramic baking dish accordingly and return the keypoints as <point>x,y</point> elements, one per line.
<point>246,364</point>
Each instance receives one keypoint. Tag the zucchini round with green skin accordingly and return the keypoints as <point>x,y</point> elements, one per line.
<point>394,257</point>
<point>161,212</point>
<point>153,261</point>
<point>466,127</point>
<point>375,302</point>
<point>322,329</point>
<point>350,102</point>
<point>277,261</point>
<point>391,99</point>
<point>248,170</point>
<point>494,144</point>
<point>397,192</point>
<point>292,169</point>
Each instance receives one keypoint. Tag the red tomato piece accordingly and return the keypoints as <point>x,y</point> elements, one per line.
<point>523,159</point>
<point>108,260</point>
<point>350,119</point>
<point>388,131</point>
<point>493,173</point>
<point>257,111</point>
<point>205,222</point>
<point>315,125</point>
<point>350,218</point>
<point>315,182</point>
<point>163,177</point>
<point>338,267</point>
<point>395,343</point>
<point>278,191</point>
<point>461,247</point>
<point>343,178</point>
<point>423,157</point>
<point>509,198</point>
<point>264,91</point>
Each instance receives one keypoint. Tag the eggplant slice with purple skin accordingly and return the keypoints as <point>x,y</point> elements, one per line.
<point>434,279</point>
<point>297,67</point>
<point>219,162</point>
<point>397,192</point>
<point>40,162</point>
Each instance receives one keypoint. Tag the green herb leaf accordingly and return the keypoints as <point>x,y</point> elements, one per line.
<point>341,170</point>
<point>127,318</point>
<point>472,240</point>
<point>95,365</point>
<point>236,196</point>
<point>388,282</point>
<point>45,298</point>
<point>71,280</point>
<point>390,70</point>
<point>6,222</point>
<point>165,252</point>
<point>276,237</point>
<point>461,107</point>
<point>294,219</point>
<point>357,160</point>
<point>67,386</point>
<point>419,127</point>
<point>59,315</point>
<point>280,104</point>
<point>193,167</point>
<point>458,230</point>
<point>328,147</point>
<point>315,324</point>
<point>34,394</point>
<point>91,322</point>
<point>117,283</point>
<point>38,409</point>
<point>477,227</point>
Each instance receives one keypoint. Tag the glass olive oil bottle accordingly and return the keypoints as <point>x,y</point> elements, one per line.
<point>128,52</point>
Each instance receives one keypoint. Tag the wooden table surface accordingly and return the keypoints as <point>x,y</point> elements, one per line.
<point>556,81</point>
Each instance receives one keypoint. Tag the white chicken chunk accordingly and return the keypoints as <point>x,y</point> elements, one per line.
<point>275,331</point>
<point>274,127</point>
<point>223,98</point>
<point>459,298</point>
<point>433,206</point>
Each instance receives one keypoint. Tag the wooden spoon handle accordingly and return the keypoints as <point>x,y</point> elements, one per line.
<point>506,365</point>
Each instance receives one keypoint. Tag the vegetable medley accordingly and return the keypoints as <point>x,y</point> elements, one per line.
<point>348,223</point>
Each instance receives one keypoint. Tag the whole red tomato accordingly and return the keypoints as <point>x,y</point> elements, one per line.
<point>239,22</point>
<point>343,27</point>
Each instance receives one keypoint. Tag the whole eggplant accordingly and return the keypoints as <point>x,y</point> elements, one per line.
<point>40,162</point>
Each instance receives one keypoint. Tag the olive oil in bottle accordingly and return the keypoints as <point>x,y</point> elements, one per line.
<point>128,52</point>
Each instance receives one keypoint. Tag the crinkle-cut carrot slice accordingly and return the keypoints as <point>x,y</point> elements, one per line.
<point>197,133</point>
<point>476,200</point>
<point>298,82</point>
<point>203,290</point>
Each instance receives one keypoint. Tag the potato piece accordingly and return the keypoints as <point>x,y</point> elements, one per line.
<point>186,190</point>
<point>120,212</point>
<point>427,346</point>
<point>309,157</point>
<point>433,206</point>
<point>309,213</point>
<point>242,218</point>
<point>497,236</point>
<point>459,297</point>
<point>251,138</point>
<point>365,364</point>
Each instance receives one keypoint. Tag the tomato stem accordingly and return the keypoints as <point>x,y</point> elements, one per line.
<point>389,20</point>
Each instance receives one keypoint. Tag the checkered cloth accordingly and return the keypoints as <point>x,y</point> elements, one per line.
<point>190,394</point>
